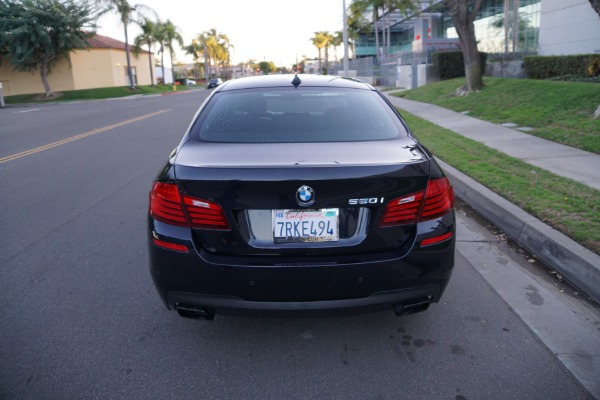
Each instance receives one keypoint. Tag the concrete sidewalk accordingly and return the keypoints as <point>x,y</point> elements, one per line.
<point>566,161</point>
<point>576,263</point>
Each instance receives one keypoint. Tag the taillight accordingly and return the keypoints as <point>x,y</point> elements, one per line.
<point>436,201</point>
<point>404,210</point>
<point>439,199</point>
<point>204,214</point>
<point>167,205</point>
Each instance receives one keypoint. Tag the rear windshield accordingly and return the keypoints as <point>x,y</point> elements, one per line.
<point>288,115</point>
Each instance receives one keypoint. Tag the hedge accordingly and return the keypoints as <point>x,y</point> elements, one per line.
<point>450,64</point>
<point>546,67</point>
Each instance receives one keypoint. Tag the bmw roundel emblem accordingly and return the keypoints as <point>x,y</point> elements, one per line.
<point>305,196</point>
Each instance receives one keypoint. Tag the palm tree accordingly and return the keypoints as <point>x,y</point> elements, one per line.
<point>160,39</point>
<point>196,50</point>
<point>216,48</point>
<point>170,33</point>
<point>375,6</point>
<point>321,40</point>
<point>225,44</point>
<point>328,42</point>
<point>126,12</point>
<point>337,40</point>
<point>357,23</point>
<point>147,37</point>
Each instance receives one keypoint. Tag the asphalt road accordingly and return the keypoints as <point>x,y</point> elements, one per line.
<point>80,319</point>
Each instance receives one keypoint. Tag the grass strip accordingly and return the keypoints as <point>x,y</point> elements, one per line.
<point>558,111</point>
<point>566,205</point>
<point>93,94</point>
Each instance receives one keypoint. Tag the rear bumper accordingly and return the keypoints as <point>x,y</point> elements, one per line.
<point>311,284</point>
<point>237,306</point>
<point>187,280</point>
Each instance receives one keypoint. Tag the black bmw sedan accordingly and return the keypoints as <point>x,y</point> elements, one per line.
<point>299,194</point>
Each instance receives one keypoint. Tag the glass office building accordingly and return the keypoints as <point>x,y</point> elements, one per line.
<point>501,26</point>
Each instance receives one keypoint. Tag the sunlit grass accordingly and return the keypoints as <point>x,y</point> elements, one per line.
<point>558,111</point>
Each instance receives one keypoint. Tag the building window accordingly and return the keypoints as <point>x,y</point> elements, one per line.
<point>495,27</point>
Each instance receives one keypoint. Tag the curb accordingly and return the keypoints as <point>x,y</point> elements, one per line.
<point>578,265</point>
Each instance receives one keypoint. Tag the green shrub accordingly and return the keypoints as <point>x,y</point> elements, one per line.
<point>546,67</point>
<point>450,64</point>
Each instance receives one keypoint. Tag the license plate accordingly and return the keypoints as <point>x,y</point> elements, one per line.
<point>297,226</point>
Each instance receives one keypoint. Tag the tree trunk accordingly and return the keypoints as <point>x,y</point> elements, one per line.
<point>129,74</point>
<point>162,63</point>
<point>150,64</point>
<point>172,66</point>
<point>44,76</point>
<point>389,34</point>
<point>463,18</point>
<point>320,63</point>
<point>375,17</point>
<point>506,25</point>
<point>515,37</point>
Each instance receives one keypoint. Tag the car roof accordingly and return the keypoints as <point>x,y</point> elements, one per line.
<point>285,80</point>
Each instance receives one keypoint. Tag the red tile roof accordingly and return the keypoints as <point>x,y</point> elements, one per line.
<point>105,42</point>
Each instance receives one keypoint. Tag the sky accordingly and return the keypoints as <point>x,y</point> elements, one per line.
<point>262,30</point>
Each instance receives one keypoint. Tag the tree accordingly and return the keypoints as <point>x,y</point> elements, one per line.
<point>463,14</point>
<point>266,67</point>
<point>596,6</point>
<point>338,40</point>
<point>322,40</point>
<point>126,12</point>
<point>160,38</point>
<point>215,48</point>
<point>357,23</point>
<point>375,6</point>
<point>147,37</point>
<point>169,34</point>
<point>196,50</point>
<point>36,34</point>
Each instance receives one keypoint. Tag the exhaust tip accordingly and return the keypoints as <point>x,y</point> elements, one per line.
<point>412,307</point>
<point>195,312</point>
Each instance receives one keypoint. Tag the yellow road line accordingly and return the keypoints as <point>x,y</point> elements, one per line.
<point>81,136</point>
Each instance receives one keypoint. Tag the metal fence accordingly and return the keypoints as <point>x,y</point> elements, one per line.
<point>386,72</point>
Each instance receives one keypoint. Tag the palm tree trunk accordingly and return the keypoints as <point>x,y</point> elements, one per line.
<point>162,64</point>
<point>516,26</point>
<point>150,65</point>
<point>375,17</point>
<point>389,35</point>
<point>129,74</point>
<point>172,66</point>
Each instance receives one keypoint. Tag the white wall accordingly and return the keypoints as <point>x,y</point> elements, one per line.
<point>568,27</point>
<point>169,74</point>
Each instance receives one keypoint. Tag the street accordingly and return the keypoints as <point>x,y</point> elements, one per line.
<point>80,318</point>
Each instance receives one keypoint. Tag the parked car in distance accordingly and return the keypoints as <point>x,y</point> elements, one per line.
<point>299,195</point>
<point>185,81</point>
<point>214,82</point>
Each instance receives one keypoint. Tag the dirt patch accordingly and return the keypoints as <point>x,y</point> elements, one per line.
<point>43,97</point>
